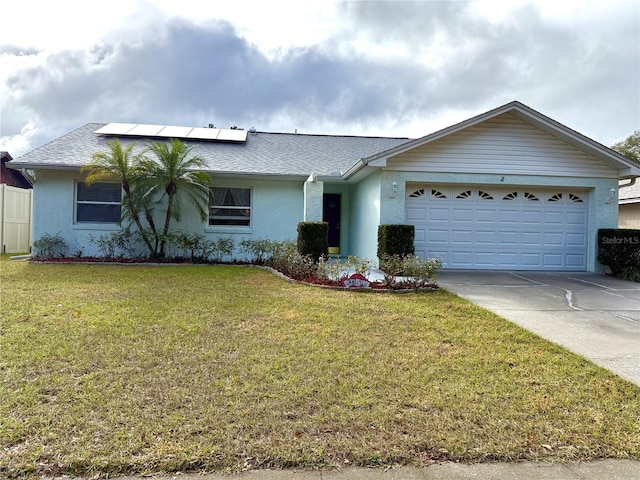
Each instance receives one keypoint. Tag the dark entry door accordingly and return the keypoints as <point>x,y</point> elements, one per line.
<point>331,215</point>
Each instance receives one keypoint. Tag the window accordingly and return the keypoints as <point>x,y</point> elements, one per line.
<point>230,207</point>
<point>98,203</point>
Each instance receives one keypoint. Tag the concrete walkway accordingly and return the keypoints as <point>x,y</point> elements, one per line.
<point>593,315</point>
<point>596,470</point>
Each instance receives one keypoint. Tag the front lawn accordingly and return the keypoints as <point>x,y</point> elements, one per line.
<point>138,369</point>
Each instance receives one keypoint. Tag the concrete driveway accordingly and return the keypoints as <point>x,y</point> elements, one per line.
<point>593,315</point>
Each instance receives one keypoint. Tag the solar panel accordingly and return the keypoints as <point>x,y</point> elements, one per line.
<point>234,135</point>
<point>143,130</point>
<point>173,131</point>
<point>204,133</point>
<point>115,129</point>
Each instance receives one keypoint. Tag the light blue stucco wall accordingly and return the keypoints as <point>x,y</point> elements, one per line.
<point>277,208</point>
<point>364,212</point>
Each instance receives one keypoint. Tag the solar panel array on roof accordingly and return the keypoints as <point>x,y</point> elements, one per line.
<point>172,131</point>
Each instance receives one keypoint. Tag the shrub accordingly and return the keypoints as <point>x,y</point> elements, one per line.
<point>416,271</point>
<point>289,261</point>
<point>257,250</point>
<point>117,245</point>
<point>396,240</point>
<point>313,239</point>
<point>50,246</point>
<point>619,249</point>
<point>222,247</point>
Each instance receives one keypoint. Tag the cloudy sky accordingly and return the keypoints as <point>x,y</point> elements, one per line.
<point>386,68</point>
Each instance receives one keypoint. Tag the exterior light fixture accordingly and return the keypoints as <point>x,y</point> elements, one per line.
<point>611,196</point>
<point>394,190</point>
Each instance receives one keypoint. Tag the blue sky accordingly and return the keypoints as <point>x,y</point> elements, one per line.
<point>360,68</point>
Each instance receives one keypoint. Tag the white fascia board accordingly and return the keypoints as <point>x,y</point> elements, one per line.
<point>378,162</point>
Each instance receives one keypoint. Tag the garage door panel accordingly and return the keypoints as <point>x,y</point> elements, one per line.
<point>416,214</point>
<point>509,216</point>
<point>531,260</point>
<point>530,238</point>
<point>462,215</point>
<point>484,215</point>
<point>462,237</point>
<point>576,218</point>
<point>485,237</point>
<point>461,259</point>
<point>508,238</point>
<point>485,259</point>
<point>576,262</point>
<point>554,218</point>
<point>531,217</point>
<point>515,229</point>
<point>438,214</point>
<point>576,240</point>
<point>552,239</point>
<point>552,260</point>
<point>508,260</point>
<point>436,236</point>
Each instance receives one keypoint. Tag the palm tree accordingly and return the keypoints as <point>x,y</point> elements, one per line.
<point>174,175</point>
<point>122,165</point>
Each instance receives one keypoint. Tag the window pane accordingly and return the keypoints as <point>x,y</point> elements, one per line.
<point>238,197</point>
<point>98,213</point>
<point>99,192</point>
<point>230,206</point>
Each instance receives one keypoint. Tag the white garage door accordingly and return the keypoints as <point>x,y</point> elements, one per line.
<point>499,228</point>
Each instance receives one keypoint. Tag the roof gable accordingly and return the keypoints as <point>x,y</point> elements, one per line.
<point>623,166</point>
<point>501,145</point>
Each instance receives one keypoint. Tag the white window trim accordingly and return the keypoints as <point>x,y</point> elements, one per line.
<point>233,228</point>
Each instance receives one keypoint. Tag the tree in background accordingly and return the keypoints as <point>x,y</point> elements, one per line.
<point>629,147</point>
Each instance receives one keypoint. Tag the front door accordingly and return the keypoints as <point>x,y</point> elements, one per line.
<point>331,215</point>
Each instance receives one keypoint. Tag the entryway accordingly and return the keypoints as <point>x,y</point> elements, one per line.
<point>331,214</point>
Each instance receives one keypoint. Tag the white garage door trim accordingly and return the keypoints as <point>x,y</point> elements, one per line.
<point>517,228</point>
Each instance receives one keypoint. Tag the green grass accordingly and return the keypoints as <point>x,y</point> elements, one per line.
<point>129,370</point>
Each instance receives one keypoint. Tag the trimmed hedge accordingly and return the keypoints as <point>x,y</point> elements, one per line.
<point>619,249</point>
<point>394,239</point>
<point>313,239</point>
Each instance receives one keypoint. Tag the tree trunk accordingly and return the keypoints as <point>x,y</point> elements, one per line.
<point>136,217</point>
<point>167,222</point>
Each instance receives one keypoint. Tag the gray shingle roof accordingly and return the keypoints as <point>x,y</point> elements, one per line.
<point>263,153</point>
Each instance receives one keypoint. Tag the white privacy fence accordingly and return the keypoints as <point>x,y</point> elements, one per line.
<point>15,219</point>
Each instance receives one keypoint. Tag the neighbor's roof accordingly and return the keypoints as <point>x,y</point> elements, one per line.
<point>281,154</point>
<point>630,194</point>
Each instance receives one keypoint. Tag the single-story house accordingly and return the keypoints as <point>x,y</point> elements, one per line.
<point>508,189</point>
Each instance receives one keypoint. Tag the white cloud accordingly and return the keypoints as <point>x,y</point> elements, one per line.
<point>377,68</point>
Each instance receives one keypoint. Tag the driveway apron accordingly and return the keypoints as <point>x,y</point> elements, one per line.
<point>593,315</point>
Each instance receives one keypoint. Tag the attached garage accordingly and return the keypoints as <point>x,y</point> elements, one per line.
<point>524,228</point>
